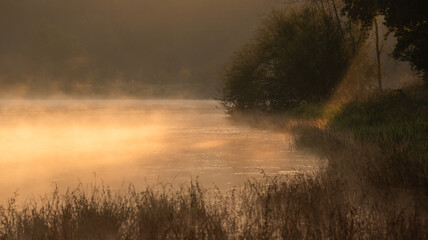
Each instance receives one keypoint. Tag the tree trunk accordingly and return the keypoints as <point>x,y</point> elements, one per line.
<point>378,52</point>
<point>337,16</point>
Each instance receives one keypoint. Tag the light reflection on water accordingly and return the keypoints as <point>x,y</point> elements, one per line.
<point>140,141</point>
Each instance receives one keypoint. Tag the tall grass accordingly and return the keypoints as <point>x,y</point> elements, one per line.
<point>105,214</point>
<point>311,206</point>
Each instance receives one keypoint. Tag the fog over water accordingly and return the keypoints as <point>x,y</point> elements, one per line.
<point>110,49</point>
<point>65,142</point>
<point>144,48</point>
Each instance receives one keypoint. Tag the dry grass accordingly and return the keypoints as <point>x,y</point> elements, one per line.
<point>314,206</point>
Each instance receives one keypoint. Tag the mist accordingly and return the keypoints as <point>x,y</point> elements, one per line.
<point>144,142</point>
<point>116,48</point>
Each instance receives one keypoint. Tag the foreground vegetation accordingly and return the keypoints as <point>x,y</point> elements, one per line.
<point>300,207</point>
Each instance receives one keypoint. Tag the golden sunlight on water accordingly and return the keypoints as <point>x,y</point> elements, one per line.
<point>64,142</point>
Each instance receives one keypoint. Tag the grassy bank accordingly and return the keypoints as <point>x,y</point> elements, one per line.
<point>382,140</point>
<point>376,148</point>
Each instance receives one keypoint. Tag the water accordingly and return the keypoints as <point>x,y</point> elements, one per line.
<point>44,143</point>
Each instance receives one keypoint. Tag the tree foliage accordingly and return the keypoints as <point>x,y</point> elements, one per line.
<point>295,57</point>
<point>406,19</point>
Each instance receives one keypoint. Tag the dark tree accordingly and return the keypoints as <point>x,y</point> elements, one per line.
<point>406,19</point>
<point>296,57</point>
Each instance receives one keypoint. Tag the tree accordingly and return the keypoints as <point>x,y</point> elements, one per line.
<point>296,57</point>
<point>406,19</point>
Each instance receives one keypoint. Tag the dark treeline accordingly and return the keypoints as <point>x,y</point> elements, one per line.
<point>305,53</point>
<point>143,48</point>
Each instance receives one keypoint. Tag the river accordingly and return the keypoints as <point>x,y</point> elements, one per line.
<point>44,143</point>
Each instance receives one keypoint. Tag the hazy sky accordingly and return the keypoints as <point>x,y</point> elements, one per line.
<point>48,45</point>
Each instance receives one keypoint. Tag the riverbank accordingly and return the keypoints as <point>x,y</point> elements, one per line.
<point>391,131</point>
<point>382,140</point>
<point>374,149</point>
<point>378,148</point>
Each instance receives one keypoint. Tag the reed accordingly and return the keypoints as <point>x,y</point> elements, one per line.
<point>306,206</point>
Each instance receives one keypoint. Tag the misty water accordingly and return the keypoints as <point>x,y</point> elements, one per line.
<point>44,143</point>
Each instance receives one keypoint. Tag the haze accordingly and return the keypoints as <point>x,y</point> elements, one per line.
<point>144,48</point>
<point>64,142</point>
<point>97,49</point>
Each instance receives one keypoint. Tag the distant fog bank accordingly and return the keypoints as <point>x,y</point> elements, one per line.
<point>121,48</point>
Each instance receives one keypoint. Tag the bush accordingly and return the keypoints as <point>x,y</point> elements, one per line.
<point>295,57</point>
